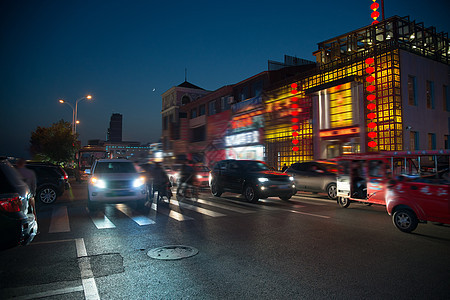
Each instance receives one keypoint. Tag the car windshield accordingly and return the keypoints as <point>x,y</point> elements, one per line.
<point>115,167</point>
<point>255,166</point>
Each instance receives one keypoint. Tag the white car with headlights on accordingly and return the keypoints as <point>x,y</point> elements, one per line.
<point>115,181</point>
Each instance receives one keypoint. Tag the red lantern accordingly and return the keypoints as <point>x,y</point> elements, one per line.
<point>295,127</point>
<point>375,22</point>
<point>295,142</point>
<point>294,99</point>
<point>372,125</point>
<point>370,88</point>
<point>295,133</point>
<point>371,106</point>
<point>371,97</point>
<point>294,105</point>
<point>370,70</point>
<point>370,78</point>
<point>294,113</point>
<point>372,116</point>
<point>294,120</point>
<point>295,148</point>
<point>369,61</point>
<point>294,86</point>
<point>294,92</point>
<point>372,144</point>
<point>374,6</point>
<point>375,15</point>
<point>372,134</point>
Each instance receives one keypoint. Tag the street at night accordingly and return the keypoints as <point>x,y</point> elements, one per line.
<point>306,248</point>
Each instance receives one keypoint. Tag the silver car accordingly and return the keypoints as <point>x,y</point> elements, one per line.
<point>314,176</point>
<point>115,181</point>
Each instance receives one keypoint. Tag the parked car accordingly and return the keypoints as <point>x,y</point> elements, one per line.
<point>315,176</point>
<point>251,178</point>
<point>115,181</point>
<point>51,181</point>
<point>202,176</point>
<point>18,224</point>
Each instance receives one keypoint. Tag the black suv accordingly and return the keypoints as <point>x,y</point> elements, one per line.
<point>18,225</point>
<point>251,178</point>
<point>51,181</point>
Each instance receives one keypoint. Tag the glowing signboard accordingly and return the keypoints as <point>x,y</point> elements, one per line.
<point>241,139</point>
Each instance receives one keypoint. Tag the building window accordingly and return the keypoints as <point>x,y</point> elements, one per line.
<point>243,95</point>
<point>431,141</point>
<point>225,103</point>
<point>185,100</point>
<point>194,113</point>
<point>201,110</point>
<point>212,108</point>
<point>198,134</point>
<point>257,88</point>
<point>445,98</point>
<point>414,140</point>
<point>430,94</point>
<point>412,99</point>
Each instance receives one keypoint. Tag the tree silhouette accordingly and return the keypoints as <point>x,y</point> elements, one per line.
<point>56,144</point>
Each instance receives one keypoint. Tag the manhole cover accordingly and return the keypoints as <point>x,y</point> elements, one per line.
<point>172,252</point>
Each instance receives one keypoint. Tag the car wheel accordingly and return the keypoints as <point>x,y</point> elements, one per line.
<point>215,189</point>
<point>343,202</point>
<point>47,195</point>
<point>405,220</point>
<point>332,191</point>
<point>250,194</point>
<point>285,198</point>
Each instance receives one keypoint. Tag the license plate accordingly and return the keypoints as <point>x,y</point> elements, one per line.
<point>284,186</point>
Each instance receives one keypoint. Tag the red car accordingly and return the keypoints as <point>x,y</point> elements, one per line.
<point>418,200</point>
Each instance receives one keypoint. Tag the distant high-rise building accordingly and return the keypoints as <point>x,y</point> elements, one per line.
<point>115,128</point>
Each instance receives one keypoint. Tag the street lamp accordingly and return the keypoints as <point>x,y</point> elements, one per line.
<point>75,111</point>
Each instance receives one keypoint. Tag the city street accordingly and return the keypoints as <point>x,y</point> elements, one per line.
<point>306,248</point>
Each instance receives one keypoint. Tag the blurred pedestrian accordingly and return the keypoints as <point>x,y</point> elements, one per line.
<point>284,168</point>
<point>29,177</point>
<point>161,182</point>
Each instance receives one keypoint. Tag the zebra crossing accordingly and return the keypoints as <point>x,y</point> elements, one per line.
<point>179,211</point>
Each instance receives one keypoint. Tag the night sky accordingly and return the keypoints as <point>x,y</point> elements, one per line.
<point>127,53</point>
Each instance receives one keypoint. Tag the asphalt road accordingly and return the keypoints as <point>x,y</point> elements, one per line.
<point>307,248</point>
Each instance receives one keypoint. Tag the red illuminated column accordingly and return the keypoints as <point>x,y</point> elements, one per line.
<point>294,119</point>
<point>375,14</point>
<point>371,87</point>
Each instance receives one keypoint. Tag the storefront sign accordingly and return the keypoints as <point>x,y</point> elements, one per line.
<point>337,132</point>
<point>241,139</point>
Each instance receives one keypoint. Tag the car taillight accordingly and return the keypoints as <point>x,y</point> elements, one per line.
<point>11,204</point>
<point>64,173</point>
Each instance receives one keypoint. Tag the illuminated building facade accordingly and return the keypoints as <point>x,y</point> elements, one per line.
<point>370,89</point>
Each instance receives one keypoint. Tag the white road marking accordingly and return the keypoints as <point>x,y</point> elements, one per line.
<point>101,221</point>
<point>51,293</point>
<point>140,220</point>
<point>227,207</point>
<point>197,209</point>
<point>175,215</point>
<point>87,277</point>
<point>308,214</point>
<point>60,220</point>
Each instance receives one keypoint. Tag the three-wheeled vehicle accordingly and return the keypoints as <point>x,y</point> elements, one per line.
<point>411,201</point>
<point>414,186</point>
